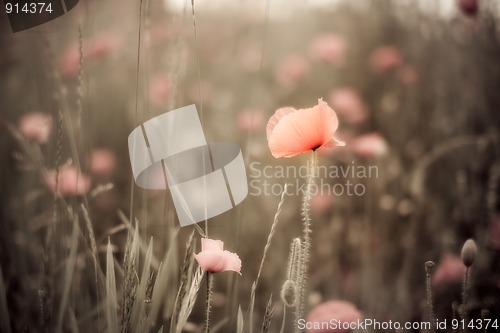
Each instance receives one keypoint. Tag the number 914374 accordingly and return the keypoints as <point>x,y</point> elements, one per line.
<point>475,324</point>
<point>28,8</point>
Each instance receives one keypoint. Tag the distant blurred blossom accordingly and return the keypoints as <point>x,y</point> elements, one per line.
<point>349,105</point>
<point>250,56</point>
<point>158,34</point>
<point>385,58</point>
<point>408,74</point>
<point>369,145</point>
<point>330,48</point>
<point>292,70</point>
<point>99,47</point>
<point>71,182</point>
<point>213,258</point>
<point>450,269</point>
<point>321,203</point>
<point>469,7</point>
<point>251,120</point>
<point>343,311</point>
<point>159,89</point>
<point>102,162</point>
<point>36,126</point>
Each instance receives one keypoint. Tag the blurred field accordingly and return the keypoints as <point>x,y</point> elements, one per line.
<point>416,89</point>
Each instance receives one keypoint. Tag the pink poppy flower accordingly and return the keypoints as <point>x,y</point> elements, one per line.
<point>159,89</point>
<point>291,132</point>
<point>469,7</point>
<point>369,145</point>
<point>101,162</point>
<point>292,70</point>
<point>250,120</point>
<point>450,269</point>
<point>97,48</point>
<point>385,58</point>
<point>36,126</point>
<point>71,182</point>
<point>330,48</point>
<point>349,104</point>
<point>343,311</point>
<point>214,259</point>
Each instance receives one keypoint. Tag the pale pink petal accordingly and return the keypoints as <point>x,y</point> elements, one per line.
<point>232,262</point>
<point>208,244</point>
<point>280,113</point>
<point>211,261</point>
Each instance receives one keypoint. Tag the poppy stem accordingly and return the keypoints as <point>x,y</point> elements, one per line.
<point>306,219</point>
<point>210,285</point>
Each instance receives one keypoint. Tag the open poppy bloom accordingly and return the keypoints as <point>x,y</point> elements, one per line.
<point>214,259</point>
<point>291,132</point>
<point>341,311</point>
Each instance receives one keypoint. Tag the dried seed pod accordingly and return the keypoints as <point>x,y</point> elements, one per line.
<point>429,267</point>
<point>289,293</point>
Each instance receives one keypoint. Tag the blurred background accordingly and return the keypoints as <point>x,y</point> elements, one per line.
<point>415,85</point>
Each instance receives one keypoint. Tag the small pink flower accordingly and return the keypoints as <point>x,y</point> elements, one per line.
<point>102,162</point>
<point>330,48</point>
<point>214,259</point>
<point>369,145</point>
<point>385,58</point>
<point>71,182</point>
<point>450,269</point>
<point>291,132</point>
<point>160,89</point>
<point>292,70</point>
<point>343,311</point>
<point>36,126</point>
<point>250,120</point>
<point>349,104</point>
